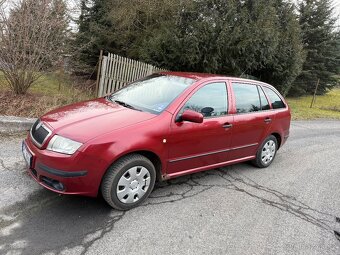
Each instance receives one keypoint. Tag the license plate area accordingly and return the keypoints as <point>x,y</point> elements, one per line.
<point>26,154</point>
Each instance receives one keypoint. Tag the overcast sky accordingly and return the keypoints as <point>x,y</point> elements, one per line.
<point>336,5</point>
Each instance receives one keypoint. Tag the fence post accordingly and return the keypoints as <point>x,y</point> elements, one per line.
<point>99,71</point>
<point>102,77</point>
<point>314,96</point>
<point>150,71</point>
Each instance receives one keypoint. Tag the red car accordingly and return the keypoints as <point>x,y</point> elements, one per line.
<point>160,127</point>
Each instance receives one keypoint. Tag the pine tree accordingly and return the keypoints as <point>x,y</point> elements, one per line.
<point>235,37</point>
<point>95,33</point>
<point>260,39</point>
<point>117,26</point>
<point>287,62</point>
<point>337,55</point>
<point>320,44</point>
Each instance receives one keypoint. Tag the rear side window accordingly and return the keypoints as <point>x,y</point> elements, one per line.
<point>247,98</point>
<point>264,101</point>
<point>274,98</point>
<point>210,100</point>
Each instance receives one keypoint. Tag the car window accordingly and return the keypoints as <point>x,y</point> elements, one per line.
<point>210,100</point>
<point>264,101</point>
<point>247,98</point>
<point>153,93</point>
<point>274,98</point>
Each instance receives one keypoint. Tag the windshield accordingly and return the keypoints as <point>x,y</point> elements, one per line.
<point>152,93</point>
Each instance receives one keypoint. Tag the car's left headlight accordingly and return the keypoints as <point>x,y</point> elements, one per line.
<point>63,145</point>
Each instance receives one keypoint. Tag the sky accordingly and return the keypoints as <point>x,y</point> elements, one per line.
<point>336,6</point>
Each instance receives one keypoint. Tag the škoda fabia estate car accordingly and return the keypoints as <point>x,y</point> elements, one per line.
<point>159,127</point>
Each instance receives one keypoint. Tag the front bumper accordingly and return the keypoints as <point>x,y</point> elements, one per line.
<point>77,174</point>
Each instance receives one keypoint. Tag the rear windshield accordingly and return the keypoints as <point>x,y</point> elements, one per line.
<point>153,93</point>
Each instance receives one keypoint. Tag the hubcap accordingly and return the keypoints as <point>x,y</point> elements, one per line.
<point>268,152</point>
<point>133,184</point>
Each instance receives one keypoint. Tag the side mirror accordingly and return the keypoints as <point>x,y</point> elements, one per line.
<point>191,116</point>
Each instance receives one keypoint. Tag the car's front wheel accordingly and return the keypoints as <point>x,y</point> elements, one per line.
<point>266,152</point>
<point>128,182</point>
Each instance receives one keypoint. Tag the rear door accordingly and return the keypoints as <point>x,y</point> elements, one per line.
<point>252,119</point>
<point>193,146</point>
<point>281,123</point>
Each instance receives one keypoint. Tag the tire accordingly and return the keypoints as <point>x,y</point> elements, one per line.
<point>266,152</point>
<point>128,182</point>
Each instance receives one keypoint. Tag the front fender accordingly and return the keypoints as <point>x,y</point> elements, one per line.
<point>150,136</point>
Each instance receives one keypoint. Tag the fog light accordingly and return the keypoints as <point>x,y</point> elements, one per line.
<point>57,185</point>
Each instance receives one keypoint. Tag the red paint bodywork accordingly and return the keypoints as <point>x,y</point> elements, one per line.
<point>109,131</point>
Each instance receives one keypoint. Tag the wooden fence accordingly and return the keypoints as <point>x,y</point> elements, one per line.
<point>115,72</point>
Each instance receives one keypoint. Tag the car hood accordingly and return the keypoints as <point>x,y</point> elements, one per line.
<point>86,120</point>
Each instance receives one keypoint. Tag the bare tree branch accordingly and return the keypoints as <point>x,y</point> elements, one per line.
<point>32,35</point>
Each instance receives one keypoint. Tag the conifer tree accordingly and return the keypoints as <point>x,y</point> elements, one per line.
<point>320,45</point>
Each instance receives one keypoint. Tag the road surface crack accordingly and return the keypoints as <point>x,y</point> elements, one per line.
<point>195,184</point>
<point>2,164</point>
<point>187,187</point>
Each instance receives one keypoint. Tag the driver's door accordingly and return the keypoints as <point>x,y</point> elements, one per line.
<point>195,146</point>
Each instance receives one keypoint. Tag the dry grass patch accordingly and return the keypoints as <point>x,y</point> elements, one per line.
<point>50,92</point>
<point>326,106</point>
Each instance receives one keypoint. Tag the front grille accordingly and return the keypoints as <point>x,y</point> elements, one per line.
<point>39,132</point>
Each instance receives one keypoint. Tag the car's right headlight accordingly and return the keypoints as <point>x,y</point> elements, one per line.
<point>63,145</point>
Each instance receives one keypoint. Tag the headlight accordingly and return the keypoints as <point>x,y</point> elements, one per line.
<point>63,145</point>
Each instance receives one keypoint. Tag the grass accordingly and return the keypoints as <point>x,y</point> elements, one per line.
<point>55,89</point>
<point>49,92</point>
<point>326,106</point>
<point>56,84</point>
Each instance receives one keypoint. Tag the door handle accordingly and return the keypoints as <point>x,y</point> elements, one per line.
<point>227,125</point>
<point>267,120</point>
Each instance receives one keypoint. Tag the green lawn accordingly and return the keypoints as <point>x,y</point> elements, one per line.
<point>326,106</point>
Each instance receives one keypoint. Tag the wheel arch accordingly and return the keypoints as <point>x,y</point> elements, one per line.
<point>152,156</point>
<point>278,138</point>
<point>155,159</point>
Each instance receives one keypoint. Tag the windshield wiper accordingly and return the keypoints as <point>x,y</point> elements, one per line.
<point>126,105</point>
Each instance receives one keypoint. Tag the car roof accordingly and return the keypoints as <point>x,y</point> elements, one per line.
<point>200,76</point>
<point>191,75</point>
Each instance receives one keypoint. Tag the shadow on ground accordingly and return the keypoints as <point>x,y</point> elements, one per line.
<point>76,222</point>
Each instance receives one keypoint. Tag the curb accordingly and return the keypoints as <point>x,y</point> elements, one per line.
<point>13,124</point>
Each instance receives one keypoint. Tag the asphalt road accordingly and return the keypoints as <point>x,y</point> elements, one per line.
<point>289,208</point>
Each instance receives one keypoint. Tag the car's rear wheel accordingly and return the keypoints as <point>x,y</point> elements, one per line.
<point>266,152</point>
<point>128,182</point>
